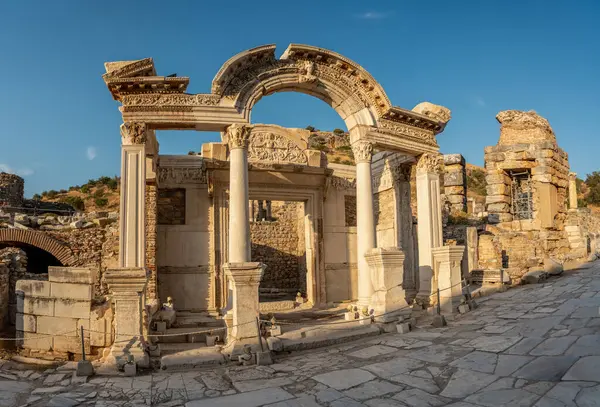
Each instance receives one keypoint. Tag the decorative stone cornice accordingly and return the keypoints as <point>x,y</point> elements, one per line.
<point>133,133</point>
<point>182,175</point>
<point>430,163</point>
<point>363,151</point>
<point>238,136</point>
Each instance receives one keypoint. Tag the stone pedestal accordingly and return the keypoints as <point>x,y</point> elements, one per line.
<point>126,287</point>
<point>387,272</point>
<point>245,278</point>
<point>365,218</point>
<point>448,272</point>
<point>429,215</point>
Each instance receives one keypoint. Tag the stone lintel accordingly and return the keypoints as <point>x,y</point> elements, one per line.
<point>448,253</point>
<point>80,275</point>
<point>123,281</point>
<point>452,159</point>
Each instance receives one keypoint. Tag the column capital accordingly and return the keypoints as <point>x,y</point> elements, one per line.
<point>133,133</point>
<point>363,151</point>
<point>573,175</point>
<point>430,163</point>
<point>401,172</point>
<point>238,136</point>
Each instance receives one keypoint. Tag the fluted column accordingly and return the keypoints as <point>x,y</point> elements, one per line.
<point>572,190</point>
<point>132,243</point>
<point>239,227</point>
<point>429,215</point>
<point>365,218</point>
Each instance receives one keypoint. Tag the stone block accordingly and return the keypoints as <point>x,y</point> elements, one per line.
<point>84,368</point>
<point>403,328</point>
<point>264,358</point>
<point>216,151</point>
<point>29,340</point>
<point>494,157</point>
<point>463,308</point>
<point>35,306</point>
<point>454,178</point>
<point>492,199</point>
<point>55,325</point>
<point>498,208</point>
<point>275,330</point>
<point>130,369</point>
<point>498,189</point>
<point>71,291</point>
<point>69,344</point>
<point>72,309</point>
<point>25,323</point>
<point>274,344</point>
<point>454,190</point>
<point>350,316</point>
<point>101,332</point>
<point>78,275</point>
<point>453,159</point>
<point>439,321</point>
<point>33,288</point>
<point>211,340</point>
<point>315,157</point>
<point>456,199</point>
<point>161,326</point>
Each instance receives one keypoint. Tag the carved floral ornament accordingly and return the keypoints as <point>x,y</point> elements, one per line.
<point>133,133</point>
<point>182,175</point>
<point>363,151</point>
<point>430,162</point>
<point>238,135</point>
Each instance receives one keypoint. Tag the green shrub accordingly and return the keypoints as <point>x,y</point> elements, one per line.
<point>85,189</point>
<point>476,182</point>
<point>113,183</point>
<point>593,183</point>
<point>310,128</point>
<point>338,132</point>
<point>101,202</point>
<point>51,194</point>
<point>36,197</point>
<point>63,191</point>
<point>99,193</point>
<point>348,162</point>
<point>336,160</point>
<point>75,201</point>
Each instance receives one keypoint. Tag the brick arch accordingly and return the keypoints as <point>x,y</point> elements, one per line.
<point>55,247</point>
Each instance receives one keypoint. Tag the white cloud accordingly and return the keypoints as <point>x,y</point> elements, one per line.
<point>373,15</point>
<point>91,153</point>
<point>23,172</point>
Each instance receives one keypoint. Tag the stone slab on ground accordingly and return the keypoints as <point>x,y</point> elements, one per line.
<point>344,379</point>
<point>193,358</point>
<point>249,399</point>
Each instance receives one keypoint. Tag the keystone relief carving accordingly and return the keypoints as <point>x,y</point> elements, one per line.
<point>275,148</point>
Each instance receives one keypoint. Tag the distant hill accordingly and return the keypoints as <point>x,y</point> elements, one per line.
<point>101,194</point>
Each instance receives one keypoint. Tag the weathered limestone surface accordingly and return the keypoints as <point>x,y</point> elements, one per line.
<point>455,182</point>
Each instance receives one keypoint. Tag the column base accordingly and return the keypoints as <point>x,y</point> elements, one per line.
<point>237,347</point>
<point>120,355</point>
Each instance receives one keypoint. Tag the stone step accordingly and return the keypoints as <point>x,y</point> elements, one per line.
<point>271,306</point>
<point>196,318</point>
<point>192,358</point>
<point>490,276</point>
<point>173,348</point>
<point>187,335</point>
<point>326,336</point>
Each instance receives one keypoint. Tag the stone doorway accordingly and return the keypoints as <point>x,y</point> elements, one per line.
<point>278,236</point>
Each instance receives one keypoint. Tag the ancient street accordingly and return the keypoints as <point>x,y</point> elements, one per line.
<point>535,345</point>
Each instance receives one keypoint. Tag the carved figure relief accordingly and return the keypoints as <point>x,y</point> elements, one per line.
<point>181,175</point>
<point>174,99</point>
<point>424,136</point>
<point>363,151</point>
<point>274,148</point>
<point>341,184</point>
<point>237,136</point>
<point>307,74</point>
<point>133,133</point>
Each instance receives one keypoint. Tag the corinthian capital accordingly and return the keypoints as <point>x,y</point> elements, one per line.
<point>363,151</point>
<point>430,162</point>
<point>238,135</point>
<point>133,133</point>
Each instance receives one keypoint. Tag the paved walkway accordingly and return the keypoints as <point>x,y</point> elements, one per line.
<point>530,346</point>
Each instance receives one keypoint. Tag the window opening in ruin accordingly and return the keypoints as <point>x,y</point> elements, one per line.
<point>521,195</point>
<point>260,211</point>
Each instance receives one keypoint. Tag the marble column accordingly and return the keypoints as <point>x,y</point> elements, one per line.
<point>239,226</point>
<point>448,269</point>
<point>365,218</point>
<point>572,190</point>
<point>243,276</point>
<point>132,243</point>
<point>127,286</point>
<point>429,216</point>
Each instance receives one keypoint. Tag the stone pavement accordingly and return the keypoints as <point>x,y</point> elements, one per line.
<point>536,345</point>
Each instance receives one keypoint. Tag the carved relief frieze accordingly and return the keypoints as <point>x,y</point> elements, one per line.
<point>363,151</point>
<point>415,133</point>
<point>307,73</point>
<point>182,175</point>
<point>170,100</point>
<point>133,133</point>
<point>270,147</point>
<point>342,184</point>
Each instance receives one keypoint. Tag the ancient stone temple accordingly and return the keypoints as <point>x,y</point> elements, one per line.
<point>260,221</point>
<point>527,180</point>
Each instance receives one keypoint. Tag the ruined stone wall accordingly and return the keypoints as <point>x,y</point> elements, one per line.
<point>277,244</point>
<point>455,183</point>
<point>385,215</point>
<point>11,190</point>
<point>4,298</point>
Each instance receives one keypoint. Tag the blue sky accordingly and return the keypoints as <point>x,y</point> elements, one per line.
<point>60,127</point>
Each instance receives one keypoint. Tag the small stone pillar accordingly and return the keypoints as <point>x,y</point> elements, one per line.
<point>365,218</point>
<point>132,243</point>
<point>245,278</point>
<point>127,287</point>
<point>429,216</point>
<point>572,190</point>
<point>455,182</point>
<point>448,272</point>
<point>387,274</point>
<point>472,260</point>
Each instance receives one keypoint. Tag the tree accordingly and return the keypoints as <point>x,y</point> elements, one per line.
<point>593,183</point>
<point>476,181</point>
<point>338,132</point>
<point>101,202</point>
<point>310,128</point>
<point>37,197</point>
<point>75,201</point>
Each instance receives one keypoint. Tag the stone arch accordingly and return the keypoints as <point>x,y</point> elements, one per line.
<point>55,247</point>
<point>343,84</point>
